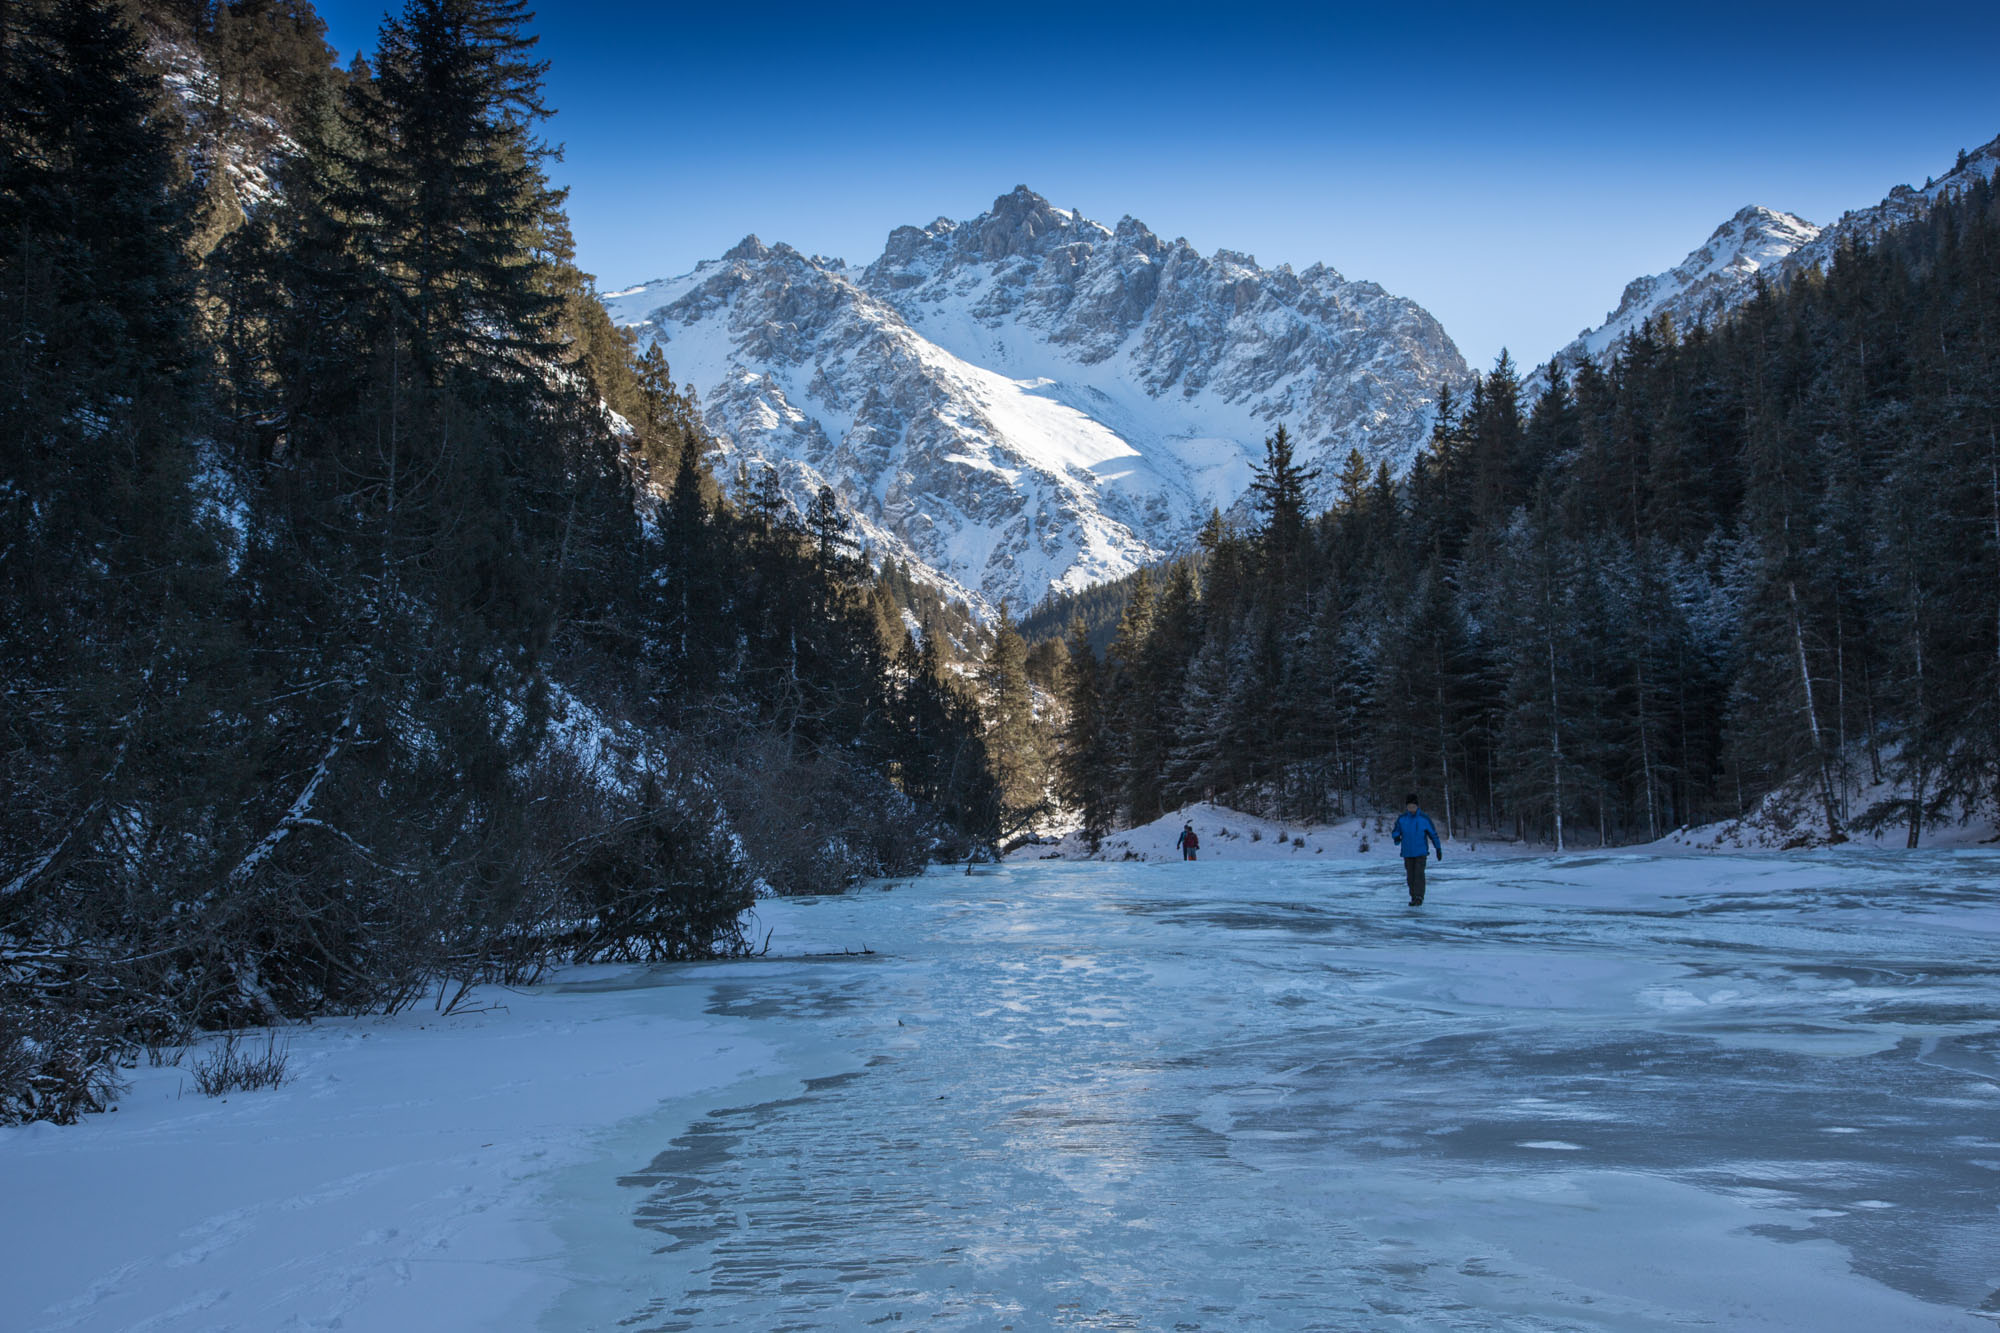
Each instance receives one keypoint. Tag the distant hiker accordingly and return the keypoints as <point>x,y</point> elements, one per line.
<point>1415,835</point>
<point>1188,843</point>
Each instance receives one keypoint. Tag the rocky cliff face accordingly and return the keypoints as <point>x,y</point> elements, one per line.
<point>1761,242</point>
<point>1032,400</point>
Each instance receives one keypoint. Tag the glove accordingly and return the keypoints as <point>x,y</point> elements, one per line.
<point>1440,853</point>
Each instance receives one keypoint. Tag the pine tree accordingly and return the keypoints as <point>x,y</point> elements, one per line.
<point>687,634</point>
<point>1170,642</point>
<point>116,661</point>
<point>449,193</point>
<point>1496,444</point>
<point>1086,776</point>
<point>1538,573</point>
<point>1280,486</point>
<point>1198,764</point>
<point>939,753</point>
<point>1013,735</point>
<point>1134,738</point>
<point>830,528</point>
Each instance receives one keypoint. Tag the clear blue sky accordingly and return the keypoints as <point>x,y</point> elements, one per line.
<point>1510,167</point>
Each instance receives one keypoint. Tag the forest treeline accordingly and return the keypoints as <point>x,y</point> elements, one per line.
<point>1760,558</point>
<point>369,624</point>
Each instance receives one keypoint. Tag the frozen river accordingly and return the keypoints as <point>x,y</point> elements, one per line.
<point>1586,1092</point>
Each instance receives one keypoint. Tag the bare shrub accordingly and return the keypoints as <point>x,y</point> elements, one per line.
<point>813,823</point>
<point>233,1065</point>
<point>663,882</point>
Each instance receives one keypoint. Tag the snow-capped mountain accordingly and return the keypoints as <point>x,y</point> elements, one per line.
<point>1759,241</point>
<point>1032,400</point>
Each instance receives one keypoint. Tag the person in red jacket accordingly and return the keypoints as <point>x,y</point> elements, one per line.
<point>1188,843</point>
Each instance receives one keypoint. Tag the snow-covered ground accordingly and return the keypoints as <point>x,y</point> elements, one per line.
<point>1599,1091</point>
<point>1791,817</point>
<point>1232,835</point>
<point>1784,821</point>
<point>396,1181</point>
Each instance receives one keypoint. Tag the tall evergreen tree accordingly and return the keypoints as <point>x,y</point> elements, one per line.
<point>1280,486</point>
<point>115,657</point>
<point>1086,775</point>
<point>1013,737</point>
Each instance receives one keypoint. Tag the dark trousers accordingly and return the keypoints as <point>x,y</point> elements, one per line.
<point>1413,871</point>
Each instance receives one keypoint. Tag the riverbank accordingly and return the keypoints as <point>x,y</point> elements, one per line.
<point>1233,835</point>
<point>393,1181</point>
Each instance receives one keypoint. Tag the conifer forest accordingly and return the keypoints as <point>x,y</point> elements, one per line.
<point>373,624</point>
<point>1750,562</point>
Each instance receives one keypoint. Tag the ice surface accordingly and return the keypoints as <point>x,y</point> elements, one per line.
<point>1589,1092</point>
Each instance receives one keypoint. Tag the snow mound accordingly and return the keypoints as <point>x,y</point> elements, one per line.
<point>1792,818</point>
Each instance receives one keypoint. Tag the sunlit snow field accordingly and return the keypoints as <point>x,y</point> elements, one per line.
<point>1585,1092</point>
<point>1620,1091</point>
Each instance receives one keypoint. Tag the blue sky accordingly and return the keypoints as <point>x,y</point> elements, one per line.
<point>1510,167</point>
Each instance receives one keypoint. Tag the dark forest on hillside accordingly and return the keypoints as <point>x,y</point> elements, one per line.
<point>371,626</point>
<point>1734,560</point>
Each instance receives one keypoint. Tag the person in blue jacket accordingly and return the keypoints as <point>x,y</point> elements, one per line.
<point>1415,835</point>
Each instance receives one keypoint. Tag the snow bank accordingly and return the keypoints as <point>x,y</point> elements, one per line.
<point>1231,835</point>
<point>396,1181</point>
<point>1783,821</point>
<point>1791,819</point>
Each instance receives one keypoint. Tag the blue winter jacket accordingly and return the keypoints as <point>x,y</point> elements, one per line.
<point>1410,832</point>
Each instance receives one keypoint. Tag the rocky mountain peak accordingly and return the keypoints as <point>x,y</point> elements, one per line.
<point>1715,277</point>
<point>1032,400</point>
<point>1016,224</point>
<point>1134,235</point>
<point>1756,217</point>
<point>1021,228</point>
<point>1757,235</point>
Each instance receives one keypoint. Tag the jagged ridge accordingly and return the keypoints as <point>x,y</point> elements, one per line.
<point>1032,400</point>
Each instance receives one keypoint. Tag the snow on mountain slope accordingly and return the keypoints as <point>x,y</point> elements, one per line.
<point>1760,242</point>
<point>1031,400</point>
<point>1711,281</point>
<point>1902,204</point>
